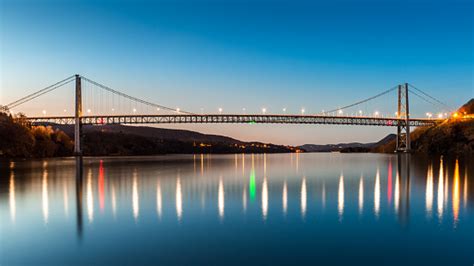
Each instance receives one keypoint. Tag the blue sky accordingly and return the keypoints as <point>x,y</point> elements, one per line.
<point>244,54</point>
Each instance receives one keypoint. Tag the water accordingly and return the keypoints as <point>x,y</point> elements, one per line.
<point>293,209</point>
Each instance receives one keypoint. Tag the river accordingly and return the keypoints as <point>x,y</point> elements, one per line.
<point>262,209</point>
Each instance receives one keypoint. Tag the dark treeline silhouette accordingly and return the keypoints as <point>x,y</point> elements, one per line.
<point>118,143</point>
<point>18,138</point>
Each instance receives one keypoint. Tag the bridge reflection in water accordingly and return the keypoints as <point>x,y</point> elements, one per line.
<point>166,202</point>
<point>347,190</point>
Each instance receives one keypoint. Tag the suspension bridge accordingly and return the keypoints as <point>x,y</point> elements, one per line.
<point>402,120</point>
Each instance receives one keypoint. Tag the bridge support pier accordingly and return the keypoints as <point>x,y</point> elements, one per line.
<point>403,114</point>
<point>77,118</point>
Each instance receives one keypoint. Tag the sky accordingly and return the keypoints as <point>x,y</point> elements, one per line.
<point>204,55</point>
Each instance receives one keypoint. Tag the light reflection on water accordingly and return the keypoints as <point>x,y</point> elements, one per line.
<point>336,194</point>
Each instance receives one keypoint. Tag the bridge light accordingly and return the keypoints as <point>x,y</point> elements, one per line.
<point>455,115</point>
<point>88,110</point>
<point>65,110</point>
<point>360,112</point>
<point>113,109</point>
<point>440,115</point>
<point>158,109</point>
<point>44,112</point>
<point>220,110</point>
<point>376,113</point>
<point>339,112</point>
<point>134,110</point>
<point>284,109</point>
<point>302,111</point>
<point>177,109</point>
<point>264,110</point>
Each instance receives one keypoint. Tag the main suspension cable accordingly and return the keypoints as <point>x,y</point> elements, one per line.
<point>363,101</point>
<point>39,93</point>
<point>134,98</point>
<point>431,97</point>
<point>36,95</point>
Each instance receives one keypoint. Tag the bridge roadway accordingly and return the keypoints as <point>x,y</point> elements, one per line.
<point>233,119</point>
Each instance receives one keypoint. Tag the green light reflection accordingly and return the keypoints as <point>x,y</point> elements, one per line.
<point>252,185</point>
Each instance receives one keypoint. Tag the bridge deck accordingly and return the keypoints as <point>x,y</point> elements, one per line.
<point>233,118</point>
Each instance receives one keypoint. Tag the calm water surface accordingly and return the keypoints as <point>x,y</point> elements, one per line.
<point>293,209</point>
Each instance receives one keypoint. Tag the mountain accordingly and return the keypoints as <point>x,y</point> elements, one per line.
<point>454,136</point>
<point>346,147</point>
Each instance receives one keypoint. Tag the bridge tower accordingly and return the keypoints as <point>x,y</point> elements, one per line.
<point>403,114</point>
<point>77,118</point>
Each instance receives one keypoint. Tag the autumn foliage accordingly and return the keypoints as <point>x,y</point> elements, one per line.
<point>20,139</point>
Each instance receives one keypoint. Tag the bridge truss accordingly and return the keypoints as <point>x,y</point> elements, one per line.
<point>233,119</point>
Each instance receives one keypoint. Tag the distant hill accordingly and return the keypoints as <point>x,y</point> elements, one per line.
<point>150,132</point>
<point>455,136</point>
<point>467,108</point>
<point>346,147</point>
<point>142,140</point>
